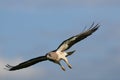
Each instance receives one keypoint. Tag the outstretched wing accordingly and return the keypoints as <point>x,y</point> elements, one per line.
<point>71,41</point>
<point>26,63</point>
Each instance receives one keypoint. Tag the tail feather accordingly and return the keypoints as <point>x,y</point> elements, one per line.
<point>70,53</point>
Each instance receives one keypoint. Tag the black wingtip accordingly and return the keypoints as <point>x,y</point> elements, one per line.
<point>94,27</point>
<point>8,67</point>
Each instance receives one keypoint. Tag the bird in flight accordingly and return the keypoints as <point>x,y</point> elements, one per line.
<point>60,53</point>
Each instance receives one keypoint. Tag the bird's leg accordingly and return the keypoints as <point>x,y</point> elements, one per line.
<point>66,61</point>
<point>62,67</point>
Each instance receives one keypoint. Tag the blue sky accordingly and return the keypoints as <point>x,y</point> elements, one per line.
<point>28,28</point>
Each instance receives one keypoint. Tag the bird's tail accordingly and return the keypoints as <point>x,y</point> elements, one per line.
<point>70,53</point>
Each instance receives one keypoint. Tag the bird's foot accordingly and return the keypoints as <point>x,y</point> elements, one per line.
<point>62,68</point>
<point>70,66</point>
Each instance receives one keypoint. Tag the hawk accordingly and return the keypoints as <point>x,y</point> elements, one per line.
<point>60,53</point>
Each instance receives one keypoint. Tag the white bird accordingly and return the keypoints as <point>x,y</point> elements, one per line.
<point>59,54</point>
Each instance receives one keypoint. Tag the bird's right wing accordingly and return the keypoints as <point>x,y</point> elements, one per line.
<point>26,63</point>
<point>65,45</point>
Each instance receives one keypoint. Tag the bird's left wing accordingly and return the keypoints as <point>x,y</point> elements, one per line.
<point>72,40</point>
<point>26,63</point>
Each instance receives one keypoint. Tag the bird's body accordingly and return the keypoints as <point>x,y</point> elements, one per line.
<point>59,54</point>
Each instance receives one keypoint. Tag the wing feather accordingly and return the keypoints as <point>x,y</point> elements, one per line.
<point>72,40</point>
<point>26,63</point>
